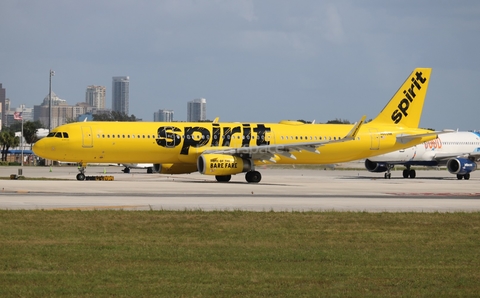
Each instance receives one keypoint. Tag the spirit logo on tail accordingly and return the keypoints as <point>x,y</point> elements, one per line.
<point>410,95</point>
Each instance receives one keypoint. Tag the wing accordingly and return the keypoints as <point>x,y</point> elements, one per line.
<point>268,152</point>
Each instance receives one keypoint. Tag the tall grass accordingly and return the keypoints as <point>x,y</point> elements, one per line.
<point>238,254</point>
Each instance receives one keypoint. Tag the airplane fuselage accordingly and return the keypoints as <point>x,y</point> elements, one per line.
<point>428,153</point>
<point>183,142</point>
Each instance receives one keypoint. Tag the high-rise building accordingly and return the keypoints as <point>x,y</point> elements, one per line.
<point>120,91</point>
<point>61,111</point>
<point>163,116</point>
<point>197,110</point>
<point>95,96</point>
<point>3,97</point>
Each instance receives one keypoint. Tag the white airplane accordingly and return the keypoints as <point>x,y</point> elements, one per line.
<point>459,151</point>
<point>149,166</point>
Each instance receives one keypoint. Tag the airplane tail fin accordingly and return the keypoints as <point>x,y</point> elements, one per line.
<point>405,107</point>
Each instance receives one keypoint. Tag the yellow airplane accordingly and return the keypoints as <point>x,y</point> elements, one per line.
<point>225,149</point>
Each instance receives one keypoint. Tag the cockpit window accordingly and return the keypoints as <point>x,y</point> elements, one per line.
<point>58,135</point>
<point>51,134</point>
<point>65,135</point>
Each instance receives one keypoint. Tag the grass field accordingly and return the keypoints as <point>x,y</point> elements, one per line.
<point>238,254</point>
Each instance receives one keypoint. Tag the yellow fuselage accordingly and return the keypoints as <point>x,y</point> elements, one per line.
<point>183,142</point>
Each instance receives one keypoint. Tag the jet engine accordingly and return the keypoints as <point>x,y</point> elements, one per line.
<point>461,166</point>
<point>222,164</point>
<point>175,168</point>
<point>376,167</point>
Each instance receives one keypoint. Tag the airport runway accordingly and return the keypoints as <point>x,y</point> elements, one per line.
<point>279,190</point>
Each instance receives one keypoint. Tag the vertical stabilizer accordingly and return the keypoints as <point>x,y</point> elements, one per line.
<point>405,107</point>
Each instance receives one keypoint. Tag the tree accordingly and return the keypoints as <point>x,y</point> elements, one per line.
<point>8,140</point>
<point>338,121</point>
<point>30,132</point>
<point>114,116</point>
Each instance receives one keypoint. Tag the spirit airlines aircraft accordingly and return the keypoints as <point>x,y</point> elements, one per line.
<point>459,151</point>
<point>225,149</point>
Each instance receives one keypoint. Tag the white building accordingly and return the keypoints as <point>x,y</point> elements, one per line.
<point>163,116</point>
<point>95,96</point>
<point>197,110</point>
<point>120,94</point>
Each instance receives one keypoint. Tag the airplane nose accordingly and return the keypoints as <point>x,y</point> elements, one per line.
<point>39,148</point>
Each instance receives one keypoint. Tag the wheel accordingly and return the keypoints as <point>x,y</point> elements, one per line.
<point>253,177</point>
<point>224,178</point>
<point>466,176</point>
<point>459,177</point>
<point>405,173</point>
<point>388,175</point>
<point>149,170</point>
<point>126,170</point>
<point>413,174</point>
<point>80,176</point>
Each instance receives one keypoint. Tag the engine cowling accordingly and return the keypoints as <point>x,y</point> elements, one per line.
<point>376,167</point>
<point>461,166</point>
<point>175,168</point>
<point>222,164</point>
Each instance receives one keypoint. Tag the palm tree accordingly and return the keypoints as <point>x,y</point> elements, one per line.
<point>8,140</point>
<point>30,132</point>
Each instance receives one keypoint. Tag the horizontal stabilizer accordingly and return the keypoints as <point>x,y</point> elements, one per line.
<point>405,138</point>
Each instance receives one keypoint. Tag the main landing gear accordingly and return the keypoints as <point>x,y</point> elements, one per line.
<point>409,173</point>
<point>251,177</point>
<point>465,176</point>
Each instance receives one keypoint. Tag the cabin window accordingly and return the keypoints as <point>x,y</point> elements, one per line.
<point>108,136</point>
<point>123,136</point>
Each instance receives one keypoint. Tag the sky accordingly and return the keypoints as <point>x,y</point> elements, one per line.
<point>253,61</point>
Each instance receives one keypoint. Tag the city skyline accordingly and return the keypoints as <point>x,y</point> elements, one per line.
<point>95,98</point>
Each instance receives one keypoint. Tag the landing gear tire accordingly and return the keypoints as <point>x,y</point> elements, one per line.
<point>223,178</point>
<point>408,173</point>
<point>388,175</point>
<point>466,176</point>
<point>253,177</point>
<point>80,176</point>
<point>126,170</point>
<point>149,170</point>
<point>413,174</point>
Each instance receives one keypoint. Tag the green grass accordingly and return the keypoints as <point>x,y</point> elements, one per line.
<point>238,254</point>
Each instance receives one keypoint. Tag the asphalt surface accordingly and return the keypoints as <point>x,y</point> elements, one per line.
<point>280,190</point>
